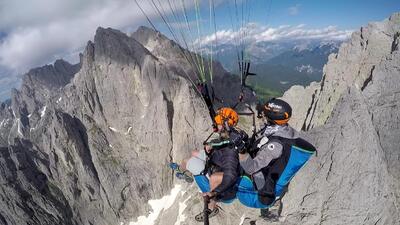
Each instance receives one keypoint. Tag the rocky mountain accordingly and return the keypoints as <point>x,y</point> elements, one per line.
<point>300,65</point>
<point>264,51</point>
<point>176,59</point>
<point>260,52</point>
<point>90,143</point>
<point>354,120</point>
<point>280,65</point>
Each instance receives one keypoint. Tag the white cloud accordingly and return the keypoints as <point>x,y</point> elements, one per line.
<point>256,33</point>
<point>294,10</point>
<point>40,31</point>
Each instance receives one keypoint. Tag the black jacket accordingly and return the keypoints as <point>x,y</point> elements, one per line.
<point>224,158</point>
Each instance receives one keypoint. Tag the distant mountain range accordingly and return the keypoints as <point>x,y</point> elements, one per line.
<point>281,65</point>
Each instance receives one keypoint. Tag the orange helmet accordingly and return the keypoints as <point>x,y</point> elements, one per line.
<point>226,115</point>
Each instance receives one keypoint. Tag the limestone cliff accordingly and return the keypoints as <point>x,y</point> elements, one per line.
<point>354,121</point>
<point>95,149</point>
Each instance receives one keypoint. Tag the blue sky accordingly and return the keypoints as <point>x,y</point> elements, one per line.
<point>317,14</point>
<point>37,32</point>
<point>325,20</point>
<point>338,17</point>
<point>344,14</point>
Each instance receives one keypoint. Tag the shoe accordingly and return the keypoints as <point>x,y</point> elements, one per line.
<point>211,213</point>
<point>189,179</point>
<point>180,175</point>
<point>174,166</point>
<point>184,176</point>
<point>268,216</point>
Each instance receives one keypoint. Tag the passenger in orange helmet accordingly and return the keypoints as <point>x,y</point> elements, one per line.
<point>219,161</point>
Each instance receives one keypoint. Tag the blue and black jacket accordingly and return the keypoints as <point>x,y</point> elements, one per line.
<point>281,170</point>
<point>278,170</point>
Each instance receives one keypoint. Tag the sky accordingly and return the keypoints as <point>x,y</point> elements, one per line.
<point>37,32</point>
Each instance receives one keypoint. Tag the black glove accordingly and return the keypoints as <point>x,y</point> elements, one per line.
<point>239,141</point>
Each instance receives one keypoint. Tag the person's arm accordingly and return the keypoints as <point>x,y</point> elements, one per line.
<point>268,152</point>
<point>218,144</point>
<point>230,171</point>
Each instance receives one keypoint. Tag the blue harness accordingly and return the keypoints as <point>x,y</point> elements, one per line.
<point>248,195</point>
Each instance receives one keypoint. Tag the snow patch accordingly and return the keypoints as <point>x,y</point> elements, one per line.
<point>43,112</point>
<point>19,127</point>
<point>113,129</point>
<point>110,145</point>
<point>307,68</point>
<point>129,130</point>
<point>151,44</point>
<point>29,116</point>
<point>181,217</point>
<point>283,82</point>
<point>242,219</point>
<point>2,122</point>
<point>158,206</point>
<point>59,100</point>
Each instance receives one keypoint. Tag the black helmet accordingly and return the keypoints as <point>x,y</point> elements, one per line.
<point>277,111</point>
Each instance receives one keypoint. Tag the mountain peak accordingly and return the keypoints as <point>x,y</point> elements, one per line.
<point>116,45</point>
<point>51,76</point>
<point>144,29</point>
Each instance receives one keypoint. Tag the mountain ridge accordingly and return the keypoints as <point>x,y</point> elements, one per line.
<point>80,139</point>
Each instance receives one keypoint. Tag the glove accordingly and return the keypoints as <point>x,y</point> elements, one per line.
<point>238,140</point>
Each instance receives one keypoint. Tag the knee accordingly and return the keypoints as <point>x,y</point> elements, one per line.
<point>195,153</point>
<point>183,164</point>
<point>216,179</point>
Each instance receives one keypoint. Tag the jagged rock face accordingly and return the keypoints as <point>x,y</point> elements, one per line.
<point>29,103</point>
<point>98,148</point>
<point>354,64</point>
<point>27,192</point>
<point>382,97</point>
<point>39,84</point>
<point>165,50</point>
<point>300,99</point>
<point>350,182</point>
<point>354,179</point>
<point>5,123</point>
<point>227,87</point>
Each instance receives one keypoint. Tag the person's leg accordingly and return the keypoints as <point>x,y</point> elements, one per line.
<point>206,185</point>
<point>195,164</point>
<point>215,181</point>
<point>183,165</point>
<point>248,195</point>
